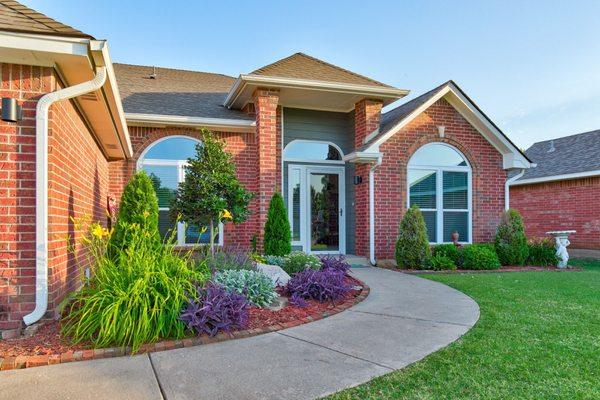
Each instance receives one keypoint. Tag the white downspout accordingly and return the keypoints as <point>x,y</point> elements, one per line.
<point>41,187</point>
<point>507,188</point>
<point>372,211</point>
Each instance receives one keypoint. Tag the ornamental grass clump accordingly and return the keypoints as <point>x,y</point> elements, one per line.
<point>226,258</point>
<point>214,309</point>
<point>510,240</point>
<point>542,252</point>
<point>321,285</point>
<point>135,296</point>
<point>337,263</point>
<point>298,261</point>
<point>412,246</point>
<point>258,288</point>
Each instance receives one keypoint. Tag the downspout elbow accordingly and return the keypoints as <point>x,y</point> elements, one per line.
<point>507,184</point>
<point>372,258</point>
<point>41,187</point>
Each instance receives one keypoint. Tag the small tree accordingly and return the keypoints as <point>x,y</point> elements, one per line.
<point>278,236</point>
<point>139,205</point>
<point>510,240</point>
<point>211,192</point>
<point>412,246</point>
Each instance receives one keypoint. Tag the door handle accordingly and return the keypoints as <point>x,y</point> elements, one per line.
<point>341,212</point>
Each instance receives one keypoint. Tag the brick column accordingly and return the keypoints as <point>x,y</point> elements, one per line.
<point>367,114</point>
<point>265,107</point>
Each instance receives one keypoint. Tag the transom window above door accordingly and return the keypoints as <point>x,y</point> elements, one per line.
<point>165,161</point>
<point>439,182</point>
<point>313,151</point>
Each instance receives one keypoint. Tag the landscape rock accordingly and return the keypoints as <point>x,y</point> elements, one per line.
<point>275,272</point>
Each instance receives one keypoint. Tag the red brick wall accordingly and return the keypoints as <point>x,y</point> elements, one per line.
<point>390,178</point>
<point>78,177</point>
<point>562,205</point>
<point>367,115</point>
<point>241,145</point>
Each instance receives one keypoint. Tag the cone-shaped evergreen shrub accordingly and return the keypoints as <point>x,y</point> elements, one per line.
<point>278,235</point>
<point>412,246</point>
<point>139,205</point>
<point>510,240</point>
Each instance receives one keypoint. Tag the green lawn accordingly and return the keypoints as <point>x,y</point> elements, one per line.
<point>538,338</point>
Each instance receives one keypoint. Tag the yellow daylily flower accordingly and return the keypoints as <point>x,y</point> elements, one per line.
<point>98,231</point>
<point>225,214</point>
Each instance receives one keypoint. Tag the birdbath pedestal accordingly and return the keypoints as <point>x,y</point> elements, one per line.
<point>562,241</point>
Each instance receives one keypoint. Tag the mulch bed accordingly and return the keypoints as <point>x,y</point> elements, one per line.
<point>478,271</point>
<point>47,347</point>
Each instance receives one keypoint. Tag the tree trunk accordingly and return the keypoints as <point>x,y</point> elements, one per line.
<point>212,238</point>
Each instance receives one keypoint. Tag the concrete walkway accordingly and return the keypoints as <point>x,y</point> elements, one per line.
<point>404,319</point>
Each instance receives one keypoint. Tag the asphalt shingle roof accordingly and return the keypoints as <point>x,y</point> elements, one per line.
<point>571,154</point>
<point>174,92</point>
<point>15,17</point>
<point>303,66</point>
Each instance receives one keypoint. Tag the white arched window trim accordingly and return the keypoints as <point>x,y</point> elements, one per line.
<point>295,159</point>
<point>180,164</point>
<point>440,190</point>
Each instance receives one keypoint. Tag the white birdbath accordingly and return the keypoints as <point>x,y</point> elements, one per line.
<point>562,241</point>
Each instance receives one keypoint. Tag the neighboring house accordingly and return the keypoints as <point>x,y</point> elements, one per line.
<point>309,129</point>
<point>563,191</point>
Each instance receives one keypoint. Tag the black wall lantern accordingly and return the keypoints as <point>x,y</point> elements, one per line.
<point>11,110</point>
<point>357,179</point>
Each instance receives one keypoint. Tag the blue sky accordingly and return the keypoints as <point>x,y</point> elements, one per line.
<point>532,66</point>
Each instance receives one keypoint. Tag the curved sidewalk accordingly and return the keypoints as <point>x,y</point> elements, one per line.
<point>404,319</point>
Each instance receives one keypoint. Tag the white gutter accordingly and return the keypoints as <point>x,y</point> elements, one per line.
<point>41,187</point>
<point>554,178</point>
<point>372,211</point>
<point>182,120</point>
<point>507,188</point>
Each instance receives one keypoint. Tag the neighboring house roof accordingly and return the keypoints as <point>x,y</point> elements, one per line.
<point>302,66</point>
<point>15,17</point>
<point>575,154</point>
<point>174,92</point>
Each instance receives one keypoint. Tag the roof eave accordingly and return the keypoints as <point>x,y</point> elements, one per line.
<point>159,120</point>
<point>555,178</point>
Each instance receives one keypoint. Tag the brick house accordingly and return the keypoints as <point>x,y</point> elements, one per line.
<point>307,128</point>
<point>563,191</point>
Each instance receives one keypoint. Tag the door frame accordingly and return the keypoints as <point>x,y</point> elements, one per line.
<point>305,206</point>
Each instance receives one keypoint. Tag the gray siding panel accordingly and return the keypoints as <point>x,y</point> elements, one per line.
<point>333,127</point>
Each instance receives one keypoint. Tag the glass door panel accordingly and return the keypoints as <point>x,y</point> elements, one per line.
<point>324,211</point>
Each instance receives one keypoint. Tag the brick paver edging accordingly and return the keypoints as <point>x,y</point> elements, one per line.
<point>21,362</point>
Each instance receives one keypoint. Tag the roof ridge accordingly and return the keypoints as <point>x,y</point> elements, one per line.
<point>174,69</point>
<point>301,54</point>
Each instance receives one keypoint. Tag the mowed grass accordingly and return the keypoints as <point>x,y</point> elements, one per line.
<point>538,338</point>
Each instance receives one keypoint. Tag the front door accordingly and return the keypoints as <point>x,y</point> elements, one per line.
<point>319,219</point>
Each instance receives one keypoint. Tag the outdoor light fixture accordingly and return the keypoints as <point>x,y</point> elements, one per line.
<point>11,110</point>
<point>357,180</point>
<point>441,131</point>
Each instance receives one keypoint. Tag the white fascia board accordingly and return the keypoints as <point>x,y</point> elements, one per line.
<point>181,120</point>
<point>293,83</point>
<point>362,157</point>
<point>553,178</point>
<point>44,43</point>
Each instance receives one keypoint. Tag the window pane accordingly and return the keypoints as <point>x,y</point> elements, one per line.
<point>295,185</point>
<point>176,148</point>
<point>165,179</point>
<point>430,223</point>
<point>456,221</point>
<point>422,188</point>
<point>455,190</point>
<point>437,155</point>
<point>312,151</point>
<point>194,235</point>
<point>164,224</point>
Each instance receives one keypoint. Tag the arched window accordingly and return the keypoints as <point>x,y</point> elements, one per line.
<point>164,161</point>
<point>313,151</point>
<point>439,181</point>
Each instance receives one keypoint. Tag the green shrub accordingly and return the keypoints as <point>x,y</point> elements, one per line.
<point>226,258</point>
<point>136,295</point>
<point>258,288</point>
<point>480,256</point>
<point>451,251</point>
<point>542,252</point>
<point>510,241</point>
<point>258,258</point>
<point>278,235</point>
<point>275,260</point>
<point>412,246</point>
<point>440,262</point>
<point>298,261</point>
<point>139,205</point>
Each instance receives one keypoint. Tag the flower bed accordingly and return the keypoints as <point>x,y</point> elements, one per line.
<point>47,347</point>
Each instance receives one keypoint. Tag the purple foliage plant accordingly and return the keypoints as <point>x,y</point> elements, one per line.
<point>215,310</point>
<point>327,284</point>
<point>337,263</point>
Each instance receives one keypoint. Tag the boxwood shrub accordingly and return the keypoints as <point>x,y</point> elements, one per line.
<point>480,256</point>
<point>412,246</point>
<point>451,251</point>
